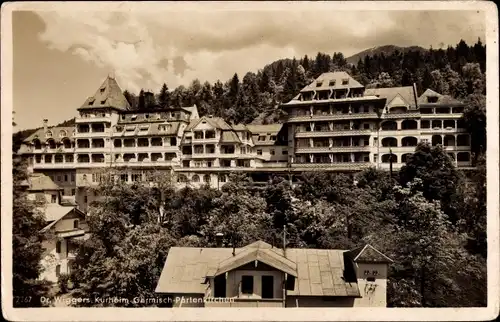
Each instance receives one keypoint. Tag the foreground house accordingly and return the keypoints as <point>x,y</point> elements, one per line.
<point>260,275</point>
<point>64,224</point>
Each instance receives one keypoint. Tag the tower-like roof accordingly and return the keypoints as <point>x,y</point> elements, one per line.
<point>109,94</point>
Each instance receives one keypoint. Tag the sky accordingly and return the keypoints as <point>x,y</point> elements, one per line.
<point>60,57</point>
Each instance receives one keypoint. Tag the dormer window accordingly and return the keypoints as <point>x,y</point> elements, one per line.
<point>118,129</point>
<point>273,137</point>
<point>102,89</point>
<point>123,117</point>
<point>62,134</point>
<point>345,81</point>
<point>48,134</point>
<point>91,102</point>
<point>146,116</point>
<point>133,117</point>
<point>432,99</point>
<point>262,138</point>
<point>318,84</point>
<point>103,102</point>
<point>332,82</point>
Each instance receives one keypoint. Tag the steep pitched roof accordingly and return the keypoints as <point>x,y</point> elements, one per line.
<point>441,99</point>
<point>109,94</point>
<point>332,80</point>
<point>405,93</point>
<point>58,134</point>
<point>41,182</point>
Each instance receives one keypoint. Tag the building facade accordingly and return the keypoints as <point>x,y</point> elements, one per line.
<point>333,124</point>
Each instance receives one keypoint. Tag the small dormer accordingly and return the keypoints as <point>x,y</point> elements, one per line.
<point>48,134</point>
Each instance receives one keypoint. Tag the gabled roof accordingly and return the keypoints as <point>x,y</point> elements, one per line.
<point>68,132</point>
<point>441,99</point>
<point>264,255</point>
<point>215,122</point>
<point>405,93</point>
<point>41,182</point>
<point>332,80</point>
<point>368,254</point>
<point>54,213</point>
<point>109,94</point>
<point>229,137</point>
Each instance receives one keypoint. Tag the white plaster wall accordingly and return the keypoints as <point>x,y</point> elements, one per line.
<point>234,278</point>
<point>373,294</point>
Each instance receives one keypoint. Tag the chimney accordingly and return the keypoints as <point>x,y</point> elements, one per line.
<point>218,239</point>
<point>45,122</point>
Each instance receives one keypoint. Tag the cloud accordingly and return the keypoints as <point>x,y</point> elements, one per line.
<point>146,49</point>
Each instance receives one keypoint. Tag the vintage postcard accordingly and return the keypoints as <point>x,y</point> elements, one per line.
<point>284,161</point>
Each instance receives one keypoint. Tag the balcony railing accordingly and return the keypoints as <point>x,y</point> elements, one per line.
<point>366,148</point>
<point>309,134</point>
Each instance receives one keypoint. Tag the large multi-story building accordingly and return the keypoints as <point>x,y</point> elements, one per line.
<point>333,124</point>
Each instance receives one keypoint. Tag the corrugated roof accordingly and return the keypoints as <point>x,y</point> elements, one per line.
<point>65,131</point>
<point>332,80</point>
<point>41,182</point>
<point>319,272</point>
<point>109,94</point>
<point>441,99</point>
<point>390,93</point>
<point>229,137</point>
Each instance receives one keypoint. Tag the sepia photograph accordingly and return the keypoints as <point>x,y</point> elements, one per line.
<point>221,158</point>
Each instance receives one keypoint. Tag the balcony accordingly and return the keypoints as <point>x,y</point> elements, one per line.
<point>442,116</point>
<point>93,119</point>
<point>312,134</point>
<point>365,148</point>
<point>334,166</point>
<point>330,117</point>
<point>62,165</point>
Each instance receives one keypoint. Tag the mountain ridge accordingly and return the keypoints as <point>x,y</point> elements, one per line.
<point>385,49</point>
